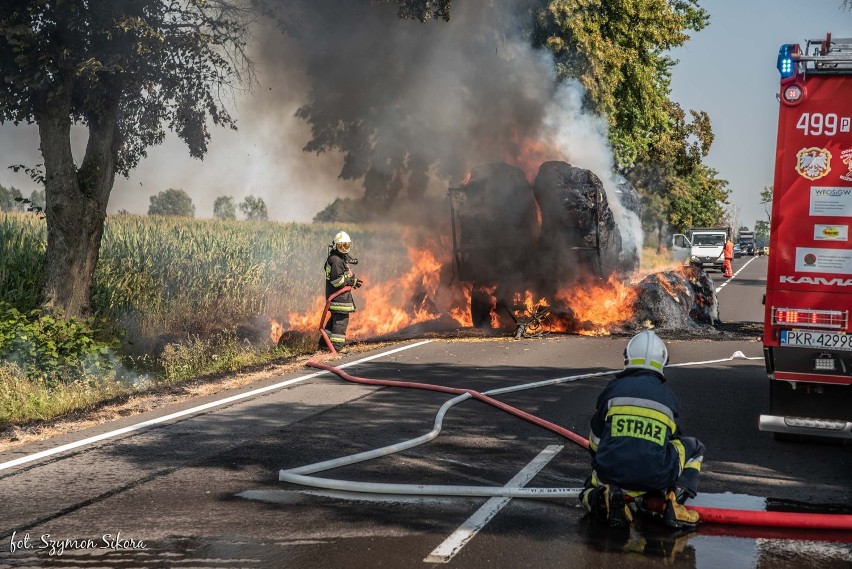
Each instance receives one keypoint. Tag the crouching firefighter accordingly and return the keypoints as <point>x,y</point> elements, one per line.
<point>338,274</point>
<point>636,443</point>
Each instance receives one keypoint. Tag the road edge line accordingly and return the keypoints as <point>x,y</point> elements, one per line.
<point>190,411</point>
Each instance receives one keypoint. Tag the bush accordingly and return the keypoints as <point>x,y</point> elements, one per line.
<point>52,350</point>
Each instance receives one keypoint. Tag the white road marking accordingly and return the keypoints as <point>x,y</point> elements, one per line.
<point>193,410</point>
<point>721,286</point>
<point>735,355</point>
<point>453,544</point>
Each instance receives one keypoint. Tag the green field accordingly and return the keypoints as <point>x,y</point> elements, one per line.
<point>183,298</point>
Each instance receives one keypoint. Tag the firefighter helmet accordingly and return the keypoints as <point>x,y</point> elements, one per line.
<point>342,242</point>
<point>645,350</point>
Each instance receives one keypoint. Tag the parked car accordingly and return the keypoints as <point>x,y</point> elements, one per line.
<point>738,251</point>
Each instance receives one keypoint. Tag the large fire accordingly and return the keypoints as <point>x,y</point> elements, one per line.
<point>600,306</point>
<point>419,296</point>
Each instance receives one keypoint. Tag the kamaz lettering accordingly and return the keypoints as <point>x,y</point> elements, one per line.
<point>836,281</point>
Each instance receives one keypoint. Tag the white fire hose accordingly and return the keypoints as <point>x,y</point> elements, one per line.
<point>300,474</point>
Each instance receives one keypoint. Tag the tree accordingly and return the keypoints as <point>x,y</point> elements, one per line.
<point>761,232</point>
<point>254,209</point>
<point>423,10</point>
<point>8,201</point>
<point>224,208</point>
<point>123,69</point>
<point>677,190</point>
<point>37,200</point>
<point>618,50</point>
<point>766,201</point>
<point>698,200</point>
<point>172,202</point>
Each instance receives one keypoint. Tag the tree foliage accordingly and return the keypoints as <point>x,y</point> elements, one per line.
<point>254,208</point>
<point>423,10</point>
<point>126,70</point>
<point>618,50</point>
<point>761,232</point>
<point>766,201</point>
<point>172,202</point>
<point>224,208</point>
<point>10,199</point>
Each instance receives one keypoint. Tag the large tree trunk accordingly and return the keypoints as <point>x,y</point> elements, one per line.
<point>75,206</point>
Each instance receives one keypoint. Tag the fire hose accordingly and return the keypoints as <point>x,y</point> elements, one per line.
<point>706,514</point>
<point>325,313</point>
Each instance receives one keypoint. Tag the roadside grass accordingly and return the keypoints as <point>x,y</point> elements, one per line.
<point>25,400</point>
<point>183,299</point>
<point>653,261</point>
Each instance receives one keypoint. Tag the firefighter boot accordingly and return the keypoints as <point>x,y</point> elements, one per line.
<point>593,499</point>
<point>676,515</point>
<point>620,514</point>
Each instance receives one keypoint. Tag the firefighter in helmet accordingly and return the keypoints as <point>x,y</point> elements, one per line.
<point>338,274</point>
<point>637,445</point>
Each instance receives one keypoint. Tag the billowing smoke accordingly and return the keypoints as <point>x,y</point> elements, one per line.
<point>414,107</point>
<point>352,102</point>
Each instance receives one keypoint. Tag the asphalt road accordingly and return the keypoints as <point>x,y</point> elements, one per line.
<point>201,489</point>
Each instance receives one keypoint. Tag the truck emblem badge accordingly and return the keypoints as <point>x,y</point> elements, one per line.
<point>846,158</point>
<point>813,163</point>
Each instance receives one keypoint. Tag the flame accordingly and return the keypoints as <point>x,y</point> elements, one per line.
<point>667,286</point>
<point>600,306</point>
<point>385,307</point>
<point>276,330</point>
<point>530,153</point>
<point>461,313</point>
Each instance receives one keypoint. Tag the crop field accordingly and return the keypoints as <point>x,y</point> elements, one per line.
<point>189,297</point>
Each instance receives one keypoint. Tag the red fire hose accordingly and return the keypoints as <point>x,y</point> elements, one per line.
<point>706,514</point>
<point>325,313</point>
<point>582,441</point>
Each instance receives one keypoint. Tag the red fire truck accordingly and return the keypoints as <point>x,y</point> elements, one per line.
<point>807,340</point>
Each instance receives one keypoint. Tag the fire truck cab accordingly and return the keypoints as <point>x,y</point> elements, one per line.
<point>807,341</point>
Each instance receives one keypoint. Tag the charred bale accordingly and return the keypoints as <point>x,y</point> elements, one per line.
<point>705,306</point>
<point>676,300</point>
<point>574,215</point>
<point>498,224</point>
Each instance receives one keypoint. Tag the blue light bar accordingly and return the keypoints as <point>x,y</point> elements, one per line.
<point>785,60</point>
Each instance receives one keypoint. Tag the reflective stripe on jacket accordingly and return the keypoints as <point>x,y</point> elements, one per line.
<point>633,433</point>
<point>337,275</point>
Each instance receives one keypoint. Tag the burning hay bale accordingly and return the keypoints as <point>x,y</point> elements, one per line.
<point>498,222</point>
<point>578,228</point>
<point>676,300</point>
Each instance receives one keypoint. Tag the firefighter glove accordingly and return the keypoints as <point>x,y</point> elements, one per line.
<point>356,283</point>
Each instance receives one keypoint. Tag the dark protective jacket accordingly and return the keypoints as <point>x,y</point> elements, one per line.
<point>338,275</point>
<point>632,428</point>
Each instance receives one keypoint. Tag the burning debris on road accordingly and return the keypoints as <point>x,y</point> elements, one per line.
<point>526,259</point>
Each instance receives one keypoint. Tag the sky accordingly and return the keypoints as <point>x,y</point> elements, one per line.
<point>727,69</point>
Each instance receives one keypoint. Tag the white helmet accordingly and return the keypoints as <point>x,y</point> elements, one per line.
<point>645,350</point>
<point>342,242</point>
